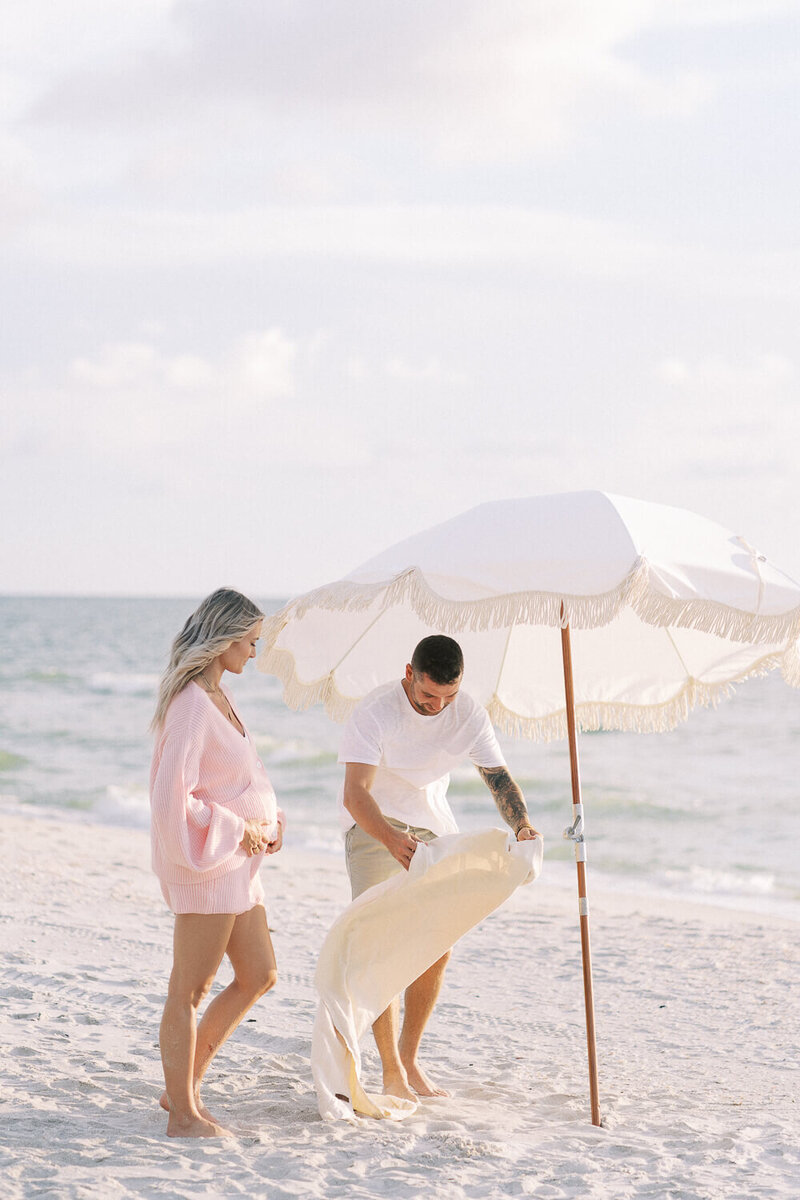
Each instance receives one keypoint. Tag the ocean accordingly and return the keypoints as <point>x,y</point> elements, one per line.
<point>708,812</point>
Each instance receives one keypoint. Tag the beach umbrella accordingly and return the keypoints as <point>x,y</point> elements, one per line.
<point>580,610</point>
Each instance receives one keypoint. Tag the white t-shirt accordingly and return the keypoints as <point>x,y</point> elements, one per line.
<point>415,753</point>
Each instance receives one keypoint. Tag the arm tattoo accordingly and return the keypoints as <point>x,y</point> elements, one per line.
<point>507,796</point>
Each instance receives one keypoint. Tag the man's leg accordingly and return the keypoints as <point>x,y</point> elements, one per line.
<point>368,863</point>
<point>384,1030</point>
<point>420,999</point>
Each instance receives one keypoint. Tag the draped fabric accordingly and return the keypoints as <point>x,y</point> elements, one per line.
<point>388,937</point>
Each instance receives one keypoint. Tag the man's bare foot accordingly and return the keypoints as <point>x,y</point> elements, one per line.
<point>201,1108</point>
<point>195,1127</point>
<point>396,1084</point>
<point>421,1083</point>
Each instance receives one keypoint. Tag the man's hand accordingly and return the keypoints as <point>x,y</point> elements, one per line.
<point>526,833</point>
<point>360,803</point>
<point>400,845</point>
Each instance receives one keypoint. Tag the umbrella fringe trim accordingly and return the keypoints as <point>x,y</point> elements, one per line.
<point>790,666</point>
<point>591,718</point>
<point>299,696</point>
<point>542,608</point>
<point>631,718</point>
<point>709,616</point>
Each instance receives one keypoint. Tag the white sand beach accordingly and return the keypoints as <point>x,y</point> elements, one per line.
<point>698,1044</point>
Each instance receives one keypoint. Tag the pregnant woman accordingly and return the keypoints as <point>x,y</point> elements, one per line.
<point>214,817</point>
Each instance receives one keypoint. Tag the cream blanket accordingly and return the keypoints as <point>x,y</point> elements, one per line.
<point>389,936</point>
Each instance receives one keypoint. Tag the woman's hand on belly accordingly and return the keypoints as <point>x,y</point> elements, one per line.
<point>255,835</point>
<point>274,846</point>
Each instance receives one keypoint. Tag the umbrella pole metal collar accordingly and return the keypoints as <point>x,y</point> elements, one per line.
<point>575,835</point>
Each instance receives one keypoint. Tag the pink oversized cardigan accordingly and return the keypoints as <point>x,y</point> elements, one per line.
<point>205,781</point>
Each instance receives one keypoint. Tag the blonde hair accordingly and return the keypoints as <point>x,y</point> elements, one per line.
<point>223,618</point>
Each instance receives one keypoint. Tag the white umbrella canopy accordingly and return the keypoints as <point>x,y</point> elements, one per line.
<point>667,611</point>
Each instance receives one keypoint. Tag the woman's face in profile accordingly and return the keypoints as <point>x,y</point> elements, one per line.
<point>238,654</point>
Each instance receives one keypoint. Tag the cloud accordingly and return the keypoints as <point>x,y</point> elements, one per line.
<point>721,12</point>
<point>466,81</point>
<point>189,372</point>
<point>715,433</point>
<point>265,364</point>
<point>133,404</point>
<point>430,372</point>
<point>489,236</point>
<point>123,365</point>
<point>259,363</point>
<point>721,417</point>
<point>719,377</point>
<point>428,233</point>
<point>42,41</point>
<point>21,195</point>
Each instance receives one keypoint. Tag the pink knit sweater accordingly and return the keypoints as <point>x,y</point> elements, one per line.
<point>205,781</point>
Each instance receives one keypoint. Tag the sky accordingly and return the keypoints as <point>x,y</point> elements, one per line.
<point>287,281</point>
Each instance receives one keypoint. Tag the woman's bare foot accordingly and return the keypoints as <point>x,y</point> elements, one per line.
<point>194,1127</point>
<point>421,1083</point>
<point>201,1108</point>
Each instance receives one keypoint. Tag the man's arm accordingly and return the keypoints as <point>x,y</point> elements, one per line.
<point>363,808</point>
<point>509,800</point>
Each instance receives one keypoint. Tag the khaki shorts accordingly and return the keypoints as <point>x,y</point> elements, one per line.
<point>368,860</point>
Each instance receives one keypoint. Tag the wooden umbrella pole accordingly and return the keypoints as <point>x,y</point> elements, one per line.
<point>575,833</point>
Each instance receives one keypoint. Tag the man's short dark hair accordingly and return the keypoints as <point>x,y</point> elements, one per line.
<point>439,658</point>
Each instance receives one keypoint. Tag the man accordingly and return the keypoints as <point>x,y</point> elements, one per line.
<point>398,749</point>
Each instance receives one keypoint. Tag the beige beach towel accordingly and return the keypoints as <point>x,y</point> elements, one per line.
<point>388,937</point>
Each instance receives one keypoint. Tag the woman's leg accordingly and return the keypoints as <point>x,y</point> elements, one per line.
<point>199,943</point>
<point>254,973</point>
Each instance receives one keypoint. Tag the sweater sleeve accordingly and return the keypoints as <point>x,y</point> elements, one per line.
<point>193,833</point>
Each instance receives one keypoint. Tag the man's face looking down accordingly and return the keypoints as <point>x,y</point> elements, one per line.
<point>427,697</point>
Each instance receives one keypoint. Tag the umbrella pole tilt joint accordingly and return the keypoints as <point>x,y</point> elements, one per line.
<point>574,833</point>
